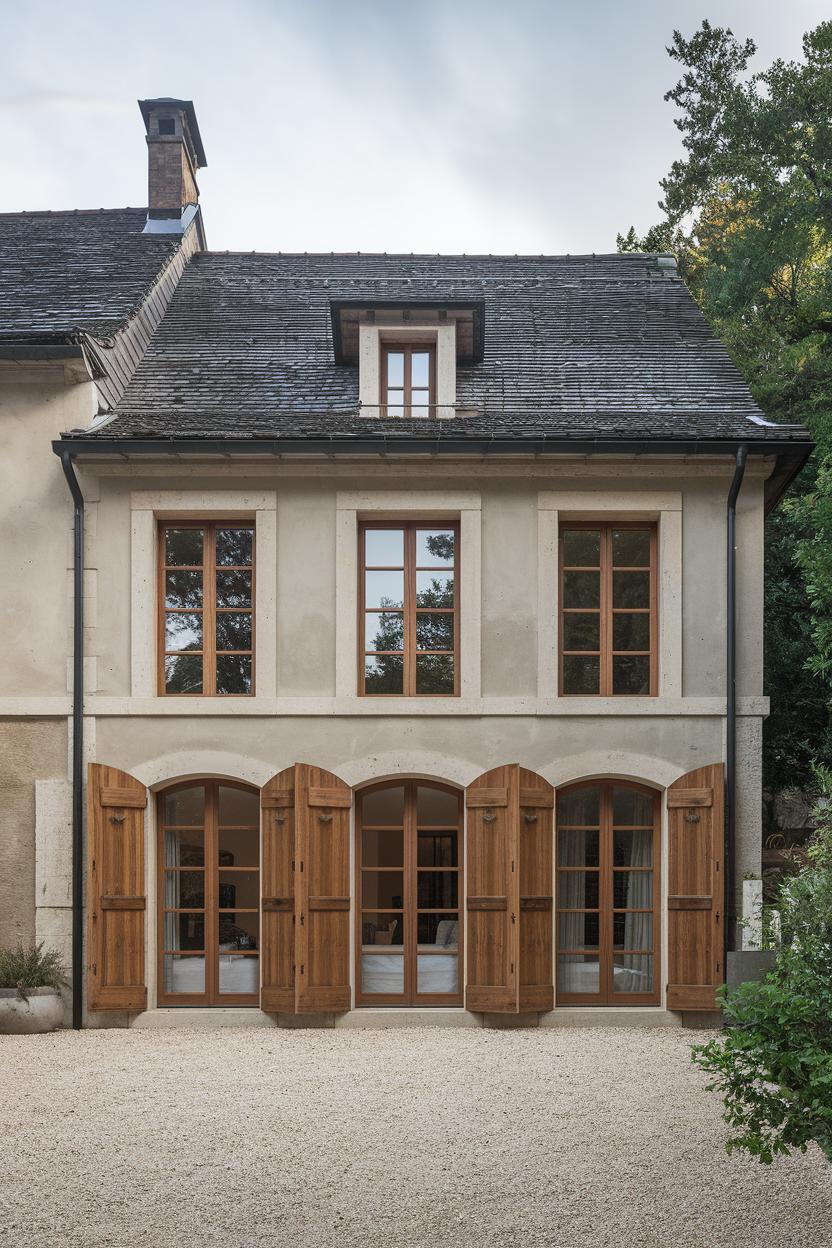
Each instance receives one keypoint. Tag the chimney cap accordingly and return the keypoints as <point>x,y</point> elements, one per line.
<point>187,107</point>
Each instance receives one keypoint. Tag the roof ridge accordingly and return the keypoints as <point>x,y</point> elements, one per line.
<point>443,255</point>
<point>67,212</point>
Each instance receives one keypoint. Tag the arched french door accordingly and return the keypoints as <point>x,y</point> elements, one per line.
<point>608,894</point>
<point>408,886</point>
<point>208,870</point>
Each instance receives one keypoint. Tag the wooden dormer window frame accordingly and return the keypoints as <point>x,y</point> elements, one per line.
<point>408,387</point>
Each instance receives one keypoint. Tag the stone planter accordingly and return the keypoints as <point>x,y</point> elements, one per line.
<point>44,1011</point>
<point>747,964</point>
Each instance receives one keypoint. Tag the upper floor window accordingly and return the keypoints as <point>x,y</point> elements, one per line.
<point>608,617</point>
<point>409,617</point>
<point>408,379</point>
<point>206,607</point>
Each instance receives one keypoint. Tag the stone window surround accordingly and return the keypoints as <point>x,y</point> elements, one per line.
<point>370,338</point>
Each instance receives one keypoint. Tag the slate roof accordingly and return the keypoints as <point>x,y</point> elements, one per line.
<point>65,271</point>
<point>589,346</point>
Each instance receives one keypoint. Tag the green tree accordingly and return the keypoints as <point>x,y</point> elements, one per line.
<point>748,215</point>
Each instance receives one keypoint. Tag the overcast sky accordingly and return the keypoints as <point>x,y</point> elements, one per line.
<point>374,125</point>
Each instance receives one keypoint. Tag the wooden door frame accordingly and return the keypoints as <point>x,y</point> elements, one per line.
<point>605,997</point>
<point>411,999</point>
<point>211,997</point>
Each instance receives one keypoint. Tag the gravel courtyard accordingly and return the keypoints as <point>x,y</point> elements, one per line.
<point>382,1138</point>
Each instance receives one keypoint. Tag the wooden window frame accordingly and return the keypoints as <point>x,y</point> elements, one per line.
<point>410,913</point>
<point>606,611</point>
<point>606,910</point>
<point>409,527</point>
<point>210,908</point>
<point>391,346</point>
<point>209,609</point>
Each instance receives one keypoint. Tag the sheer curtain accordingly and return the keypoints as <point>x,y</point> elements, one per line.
<point>633,972</point>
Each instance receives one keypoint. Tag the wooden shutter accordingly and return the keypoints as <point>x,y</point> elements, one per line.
<point>116,900</point>
<point>277,884</point>
<point>536,858</point>
<point>695,808</point>
<point>492,892</point>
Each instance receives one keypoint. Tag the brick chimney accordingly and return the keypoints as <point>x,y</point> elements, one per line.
<point>174,154</point>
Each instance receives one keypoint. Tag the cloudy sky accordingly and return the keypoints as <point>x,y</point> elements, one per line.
<point>377,125</point>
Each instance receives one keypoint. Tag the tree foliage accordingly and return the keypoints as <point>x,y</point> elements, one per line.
<point>773,1065</point>
<point>748,215</point>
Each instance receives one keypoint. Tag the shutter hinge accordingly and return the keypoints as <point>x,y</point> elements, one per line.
<point>301,968</point>
<point>512,918</point>
<point>511,969</point>
<point>93,865</point>
<point>95,968</point>
<point>301,868</point>
<point>512,864</point>
<point>718,968</point>
<point>293,864</point>
<point>301,920</point>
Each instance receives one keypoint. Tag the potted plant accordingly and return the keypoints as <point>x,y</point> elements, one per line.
<point>31,979</point>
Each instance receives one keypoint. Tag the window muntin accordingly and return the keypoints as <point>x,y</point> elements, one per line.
<point>206,607</point>
<point>607,894</point>
<point>608,609</point>
<point>408,373</point>
<point>208,857</point>
<point>409,614</point>
<point>408,866</point>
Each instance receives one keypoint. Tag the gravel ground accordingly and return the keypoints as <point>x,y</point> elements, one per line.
<point>383,1138</point>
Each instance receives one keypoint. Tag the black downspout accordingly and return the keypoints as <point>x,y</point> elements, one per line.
<point>77,745</point>
<point>731,708</point>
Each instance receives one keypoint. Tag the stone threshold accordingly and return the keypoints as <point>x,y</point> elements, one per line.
<point>210,1018</point>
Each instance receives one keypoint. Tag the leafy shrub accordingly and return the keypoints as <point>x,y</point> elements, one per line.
<point>30,966</point>
<point>773,1064</point>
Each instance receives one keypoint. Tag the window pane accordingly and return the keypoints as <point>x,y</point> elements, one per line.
<point>183,674</point>
<point>234,546</point>
<point>384,631</point>
<point>384,548</point>
<point>419,368</point>
<point>186,807</point>
<point>581,548</point>
<point>580,675</point>
<point>184,973</point>
<point>239,889</point>
<point>582,589</point>
<point>577,849</point>
<point>239,808</point>
<point>436,808</point>
<point>185,890</point>
<point>434,589</point>
<point>434,631</point>
<point>382,889</point>
<point>632,930</point>
<point>437,849</point>
<point>581,632</point>
<point>239,974</point>
<point>435,673</point>
<point>395,368</point>
<point>631,632</point>
<point>632,972</point>
<point>381,929</point>
<point>239,847</point>
<point>434,548</point>
<point>632,890</point>
<point>631,589</point>
<point>631,548</point>
<point>633,849</point>
<point>183,589</point>
<point>382,849</point>
<point>439,889</point>
<point>419,410</point>
<point>233,589</point>
<point>578,972</point>
<point>183,631</point>
<point>384,589</point>
<point>631,674</point>
<point>385,807</point>
<point>184,847</point>
<point>382,973</point>
<point>233,673</point>
<point>580,808</point>
<point>234,630</point>
<point>441,930</point>
<point>384,674</point>
<point>631,808</point>
<point>578,931</point>
<point>437,972</point>
<point>183,546</point>
<point>184,931</point>
<point>578,890</point>
<point>239,930</point>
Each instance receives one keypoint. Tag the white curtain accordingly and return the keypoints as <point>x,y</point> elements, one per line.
<point>633,972</point>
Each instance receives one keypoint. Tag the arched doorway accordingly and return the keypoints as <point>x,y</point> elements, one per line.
<point>208,869</point>
<point>608,894</point>
<point>409,870</point>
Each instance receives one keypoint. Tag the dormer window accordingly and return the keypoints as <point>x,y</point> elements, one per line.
<point>408,379</point>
